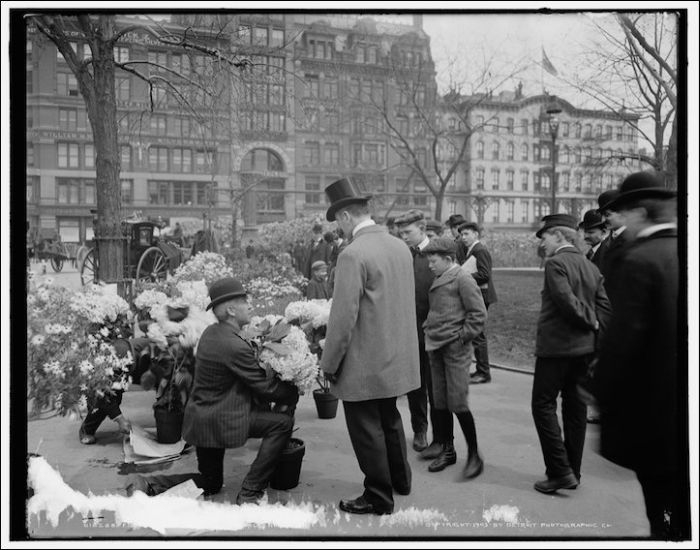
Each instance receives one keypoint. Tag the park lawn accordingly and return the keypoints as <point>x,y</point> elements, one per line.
<point>512,321</point>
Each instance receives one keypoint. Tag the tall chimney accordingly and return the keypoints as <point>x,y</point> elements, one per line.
<point>418,21</point>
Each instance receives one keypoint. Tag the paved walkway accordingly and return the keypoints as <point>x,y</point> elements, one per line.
<point>608,503</point>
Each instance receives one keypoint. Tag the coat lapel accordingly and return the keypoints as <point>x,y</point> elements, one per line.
<point>445,278</point>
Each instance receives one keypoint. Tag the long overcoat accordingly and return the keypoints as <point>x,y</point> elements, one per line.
<point>639,378</point>
<point>371,341</point>
<point>483,274</point>
<point>615,250</point>
<point>227,377</point>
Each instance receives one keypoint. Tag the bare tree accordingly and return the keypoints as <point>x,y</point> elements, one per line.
<point>95,74</point>
<point>633,71</point>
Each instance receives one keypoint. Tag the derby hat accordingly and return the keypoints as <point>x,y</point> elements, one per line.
<point>455,219</point>
<point>224,290</point>
<point>433,224</point>
<point>342,193</point>
<point>605,198</point>
<point>592,219</point>
<point>557,220</point>
<point>468,225</point>
<point>441,245</point>
<point>640,185</point>
<point>409,217</point>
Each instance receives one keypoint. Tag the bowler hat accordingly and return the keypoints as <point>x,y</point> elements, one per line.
<point>557,220</point>
<point>434,225</point>
<point>468,225</point>
<point>342,193</point>
<point>409,217</point>
<point>605,198</point>
<point>640,185</point>
<point>455,219</point>
<point>223,290</point>
<point>592,219</point>
<point>441,245</point>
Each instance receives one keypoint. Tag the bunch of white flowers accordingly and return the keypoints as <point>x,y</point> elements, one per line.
<point>316,311</point>
<point>262,288</point>
<point>149,298</point>
<point>192,294</point>
<point>56,328</point>
<point>204,266</point>
<point>99,305</point>
<point>299,366</point>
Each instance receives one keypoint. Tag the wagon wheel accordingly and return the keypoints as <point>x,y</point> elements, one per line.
<point>152,266</point>
<point>88,269</point>
<point>56,263</point>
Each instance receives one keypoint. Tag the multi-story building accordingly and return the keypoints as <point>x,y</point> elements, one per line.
<point>505,176</point>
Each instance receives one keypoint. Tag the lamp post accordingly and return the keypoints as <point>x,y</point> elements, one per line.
<point>553,122</point>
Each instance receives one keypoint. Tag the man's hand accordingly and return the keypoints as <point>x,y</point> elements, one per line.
<point>330,377</point>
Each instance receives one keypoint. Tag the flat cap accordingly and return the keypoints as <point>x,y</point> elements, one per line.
<point>469,225</point>
<point>441,245</point>
<point>433,224</point>
<point>409,217</point>
<point>318,264</point>
<point>557,220</point>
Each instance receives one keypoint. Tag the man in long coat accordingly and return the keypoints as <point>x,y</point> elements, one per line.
<point>615,245</point>
<point>371,350</point>
<point>595,233</point>
<point>641,378</point>
<point>221,412</point>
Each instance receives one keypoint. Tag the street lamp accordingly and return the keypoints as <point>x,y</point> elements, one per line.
<point>553,122</point>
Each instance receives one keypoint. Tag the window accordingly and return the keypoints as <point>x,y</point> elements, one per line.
<point>125,155</point>
<point>524,152</point>
<point>77,50</point>
<point>127,187</point>
<point>377,91</point>
<point>608,181</point>
<point>331,154</point>
<point>599,130</point>
<point>312,86</point>
<point>260,36</point>
<point>536,181</point>
<point>32,186</point>
<point>510,211</point>
<point>510,151</point>
<point>204,161</point>
<point>273,199</point>
<point>66,84</point>
<point>158,159</point>
<point>121,54</point>
<point>68,155</point>
<point>564,181</point>
<point>68,191</point>
<point>277,38</point>
<point>577,130</point>
<point>544,152</point>
<point>578,179</point>
<point>244,34</point>
<point>564,155</point>
<point>277,122</point>
<point>564,129</point>
<point>30,80</point>
<point>535,152</point>
<point>330,88</point>
<point>608,131</point>
<point>510,180</point>
<point>524,207</point>
<point>68,119</point>
<point>618,133</point>
<point>523,126</point>
<point>30,154</point>
<point>158,125</point>
<point>89,192</point>
<point>158,192</point>
<point>524,176</point>
<point>510,124</point>
<point>157,58</point>
<point>545,180</point>
<point>480,178</point>
<point>495,178</point>
<point>312,153</point>
<point>123,88</point>
<point>495,212</point>
<point>536,127</point>
<point>89,152</point>
<point>495,125</point>
<point>577,155</point>
<point>479,149</point>
<point>182,160</point>
<point>371,54</point>
<point>587,131</point>
<point>312,186</point>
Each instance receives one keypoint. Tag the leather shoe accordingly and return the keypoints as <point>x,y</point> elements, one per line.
<point>247,497</point>
<point>479,379</point>
<point>446,458</point>
<point>552,484</point>
<point>420,441</point>
<point>361,506</point>
<point>86,438</point>
<point>473,467</point>
<point>433,451</point>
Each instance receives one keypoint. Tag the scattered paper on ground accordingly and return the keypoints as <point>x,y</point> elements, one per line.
<point>501,513</point>
<point>171,514</point>
<point>142,447</point>
<point>188,489</point>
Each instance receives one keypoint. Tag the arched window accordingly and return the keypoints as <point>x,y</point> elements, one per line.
<point>510,150</point>
<point>495,150</point>
<point>524,152</point>
<point>262,160</point>
<point>479,149</point>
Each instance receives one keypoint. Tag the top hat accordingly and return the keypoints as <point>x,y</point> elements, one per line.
<point>605,198</point>
<point>640,185</point>
<point>454,219</point>
<point>225,289</point>
<point>441,245</point>
<point>409,217</point>
<point>342,193</point>
<point>591,219</point>
<point>557,220</point>
<point>468,225</point>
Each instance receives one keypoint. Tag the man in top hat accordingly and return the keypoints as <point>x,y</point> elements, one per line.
<point>433,228</point>
<point>615,245</point>
<point>574,309</point>
<point>469,233</point>
<point>371,350</point>
<point>595,232</point>
<point>221,412</point>
<point>412,230</point>
<point>641,377</point>
<point>319,250</point>
<point>453,222</point>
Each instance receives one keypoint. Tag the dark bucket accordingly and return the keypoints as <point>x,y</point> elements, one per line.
<point>168,425</point>
<point>286,474</point>
<point>326,404</point>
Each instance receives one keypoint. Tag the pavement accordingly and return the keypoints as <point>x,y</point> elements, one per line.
<point>607,504</point>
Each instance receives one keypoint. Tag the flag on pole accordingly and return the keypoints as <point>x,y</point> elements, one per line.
<point>547,64</point>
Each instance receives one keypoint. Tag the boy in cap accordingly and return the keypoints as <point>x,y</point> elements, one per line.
<point>574,309</point>
<point>641,377</point>
<point>317,289</point>
<point>411,228</point>
<point>433,228</point>
<point>457,315</point>
<point>453,222</point>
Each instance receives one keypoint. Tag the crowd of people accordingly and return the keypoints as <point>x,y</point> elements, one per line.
<point>410,304</point>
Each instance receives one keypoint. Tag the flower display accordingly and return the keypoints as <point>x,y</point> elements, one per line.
<point>315,311</point>
<point>99,305</point>
<point>204,266</point>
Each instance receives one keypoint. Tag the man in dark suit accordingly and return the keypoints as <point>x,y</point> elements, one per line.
<point>615,245</point>
<point>411,228</point>
<point>371,350</point>
<point>641,378</point>
<point>595,233</point>
<point>319,250</point>
<point>574,309</point>
<point>221,412</point>
<point>481,271</point>
<point>453,222</point>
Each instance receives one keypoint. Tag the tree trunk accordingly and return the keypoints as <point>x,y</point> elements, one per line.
<point>672,158</point>
<point>439,198</point>
<point>102,113</point>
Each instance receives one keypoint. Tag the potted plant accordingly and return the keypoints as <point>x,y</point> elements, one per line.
<point>326,402</point>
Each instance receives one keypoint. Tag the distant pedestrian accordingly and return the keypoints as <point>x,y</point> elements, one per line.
<point>318,249</point>
<point>595,233</point>
<point>615,245</point>
<point>250,250</point>
<point>457,315</point>
<point>641,380</point>
<point>317,289</point>
<point>453,223</point>
<point>433,228</point>
<point>574,309</point>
